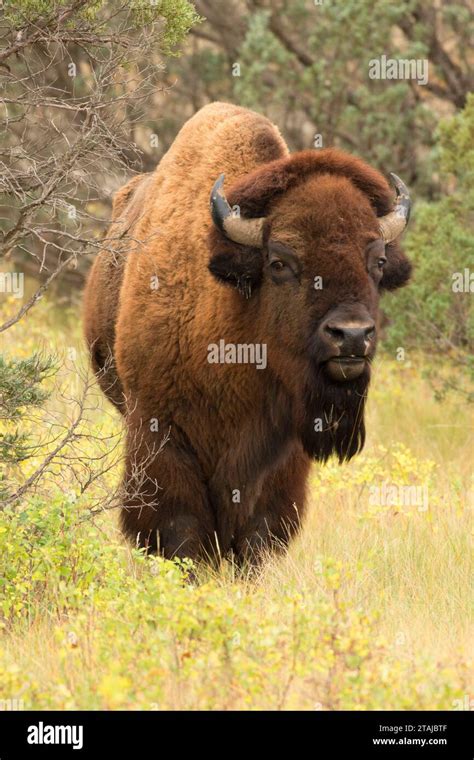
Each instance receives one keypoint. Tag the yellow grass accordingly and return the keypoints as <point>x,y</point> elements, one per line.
<point>370,609</point>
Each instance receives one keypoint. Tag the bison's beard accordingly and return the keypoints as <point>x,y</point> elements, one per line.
<point>333,416</point>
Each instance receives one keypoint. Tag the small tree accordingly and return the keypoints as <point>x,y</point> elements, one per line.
<point>76,76</point>
<point>435,313</point>
<point>306,63</point>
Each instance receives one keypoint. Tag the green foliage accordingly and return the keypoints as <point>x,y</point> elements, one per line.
<point>49,552</point>
<point>177,16</point>
<point>20,390</point>
<point>430,314</point>
<point>22,13</point>
<point>20,383</point>
<point>333,88</point>
<point>457,146</point>
<point>131,632</point>
<point>261,52</point>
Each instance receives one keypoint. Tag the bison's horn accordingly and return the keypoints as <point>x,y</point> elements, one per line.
<point>231,224</point>
<point>392,225</point>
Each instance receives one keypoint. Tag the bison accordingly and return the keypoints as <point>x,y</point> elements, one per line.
<point>236,335</point>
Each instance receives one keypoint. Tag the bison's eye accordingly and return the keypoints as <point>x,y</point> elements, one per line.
<point>278,266</point>
<point>282,263</point>
<point>376,259</point>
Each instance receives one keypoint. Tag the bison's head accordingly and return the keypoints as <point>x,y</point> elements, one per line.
<point>312,238</point>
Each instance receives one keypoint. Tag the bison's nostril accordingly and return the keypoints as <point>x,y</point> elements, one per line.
<point>351,338</point>
<point>335,333</point>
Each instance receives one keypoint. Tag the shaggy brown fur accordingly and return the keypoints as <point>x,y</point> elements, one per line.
<point>232,474</point>
<point>101,296</point>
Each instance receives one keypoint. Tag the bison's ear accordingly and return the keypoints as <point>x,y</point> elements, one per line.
<point>397,270</point>
<point>239,266</point>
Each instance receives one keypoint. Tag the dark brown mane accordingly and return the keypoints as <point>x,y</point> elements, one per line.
<point>256,191</point>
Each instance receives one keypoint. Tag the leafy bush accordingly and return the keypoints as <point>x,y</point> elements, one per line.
<point>431,314</point>
<point>124,631</point>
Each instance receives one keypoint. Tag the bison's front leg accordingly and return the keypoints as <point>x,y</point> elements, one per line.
<point>166,506</point>
<point>278,512</point>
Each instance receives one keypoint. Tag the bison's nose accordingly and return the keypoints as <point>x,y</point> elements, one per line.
<point>350,338</point>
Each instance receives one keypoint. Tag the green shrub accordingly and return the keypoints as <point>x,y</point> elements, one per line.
<point>119,630</point>
<point>431,314</point>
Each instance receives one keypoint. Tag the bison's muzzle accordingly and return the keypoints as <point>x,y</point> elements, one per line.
<point>348,345</point>
<point>345,368</point>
